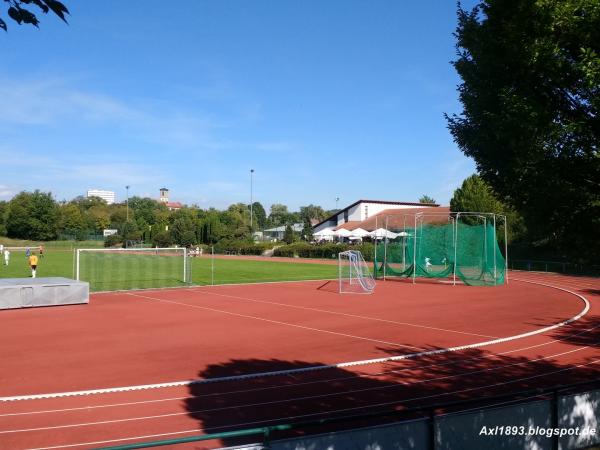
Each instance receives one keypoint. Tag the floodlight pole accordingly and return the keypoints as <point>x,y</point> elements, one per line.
<point>251,198</point>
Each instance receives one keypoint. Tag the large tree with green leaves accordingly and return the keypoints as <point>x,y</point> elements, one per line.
<point>24,11</point>
<point>426,199</point>
<point>259,216</point>
<point>475,195</point>
<point>33,215</point>
<point>530,93</point>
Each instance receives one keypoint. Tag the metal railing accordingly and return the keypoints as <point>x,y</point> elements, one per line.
<point>429,412</point>
<point>554,266</point>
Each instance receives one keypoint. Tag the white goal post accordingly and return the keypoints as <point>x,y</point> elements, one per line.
<point>132,268</point>
<point>354,274</point>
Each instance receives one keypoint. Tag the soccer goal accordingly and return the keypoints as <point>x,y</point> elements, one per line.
<point>137,268</point>
<point>354,274</point>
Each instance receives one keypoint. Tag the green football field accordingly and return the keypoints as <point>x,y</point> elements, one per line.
<point>112,272</point>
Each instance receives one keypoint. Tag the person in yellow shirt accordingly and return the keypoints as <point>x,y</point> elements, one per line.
<point>33,263</point>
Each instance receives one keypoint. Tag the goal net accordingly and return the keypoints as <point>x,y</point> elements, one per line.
<point>138,268</point>
<point>354,274</point>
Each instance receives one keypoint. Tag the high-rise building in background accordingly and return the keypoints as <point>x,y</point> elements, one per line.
<point>108,196</point>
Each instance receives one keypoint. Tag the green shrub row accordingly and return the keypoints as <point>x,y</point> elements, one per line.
<point>328,251</point>
<point>243,247</point>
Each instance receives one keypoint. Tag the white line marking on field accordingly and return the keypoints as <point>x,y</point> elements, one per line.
<point>319,367</point>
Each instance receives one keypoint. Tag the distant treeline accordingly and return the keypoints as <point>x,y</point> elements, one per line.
<point>38,216</point>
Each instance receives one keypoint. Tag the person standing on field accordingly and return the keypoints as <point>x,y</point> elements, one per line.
<point>41,251</point>
<point>6,257</point>
<point>33,263</point>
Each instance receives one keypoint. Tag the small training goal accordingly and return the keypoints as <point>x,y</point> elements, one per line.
<point>354,274</point>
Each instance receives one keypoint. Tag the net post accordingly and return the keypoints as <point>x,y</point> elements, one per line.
<point>495,241</point>
<point>340,272</point>
<point>77,264</point>
<point>185,263</point>
<point>212,265</point>
<point>505,250</point>
<point>415,251</point>
<point>385,248</point>
<point>404,245</point>
<point>455,245</point>
<point>375,252</point>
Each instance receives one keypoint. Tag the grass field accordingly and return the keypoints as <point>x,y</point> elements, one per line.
<point>123,273</point>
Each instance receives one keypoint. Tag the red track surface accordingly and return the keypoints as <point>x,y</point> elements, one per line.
<point>150,337</point>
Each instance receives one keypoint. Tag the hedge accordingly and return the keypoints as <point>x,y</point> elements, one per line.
<point>243,247</point>
<point>328,251</point>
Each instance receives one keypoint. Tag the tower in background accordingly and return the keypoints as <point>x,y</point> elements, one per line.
<point>164,195</point>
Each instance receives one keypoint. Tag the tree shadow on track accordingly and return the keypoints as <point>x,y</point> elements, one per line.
<point>583,332</point>
<point>591,291</point>
<point>394,390</point>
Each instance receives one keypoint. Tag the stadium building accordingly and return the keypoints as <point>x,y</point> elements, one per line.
<point>364,213</point>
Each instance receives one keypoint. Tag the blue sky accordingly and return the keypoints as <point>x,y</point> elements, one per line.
<point>322,99</point>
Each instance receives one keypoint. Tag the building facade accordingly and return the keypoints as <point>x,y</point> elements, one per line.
<point>362,210</point>
<point>108,196</point>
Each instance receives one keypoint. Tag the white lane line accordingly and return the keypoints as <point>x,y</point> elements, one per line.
<point>348,315</point>
<point>318,367</point>
<point>135,438</point>
<point>306,383</point>
<point>278,322</point>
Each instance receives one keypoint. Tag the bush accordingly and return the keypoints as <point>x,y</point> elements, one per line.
<point>113,240</point>
<point>242,247</point>
<point>162,239</point>
<point>327,251</point>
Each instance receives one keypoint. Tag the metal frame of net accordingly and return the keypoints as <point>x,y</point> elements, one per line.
<point>456,246</point>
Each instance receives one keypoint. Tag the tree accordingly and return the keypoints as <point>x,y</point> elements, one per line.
<point>475,195</point>
<point>289,235</point>
<point>426,199</point>
<point>22,15</point>
<point>307,231</point>
<point>530,93</point>
<point>162,239</point>
<point>3,216</point>
<point>146,208</point>
<point>33,215</point>
<point>259,214</point>
<point>278,215</point>
<point>70,218</point>
<point>312,212</point>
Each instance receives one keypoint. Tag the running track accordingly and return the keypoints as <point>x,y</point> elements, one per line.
<point>167,338</point>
